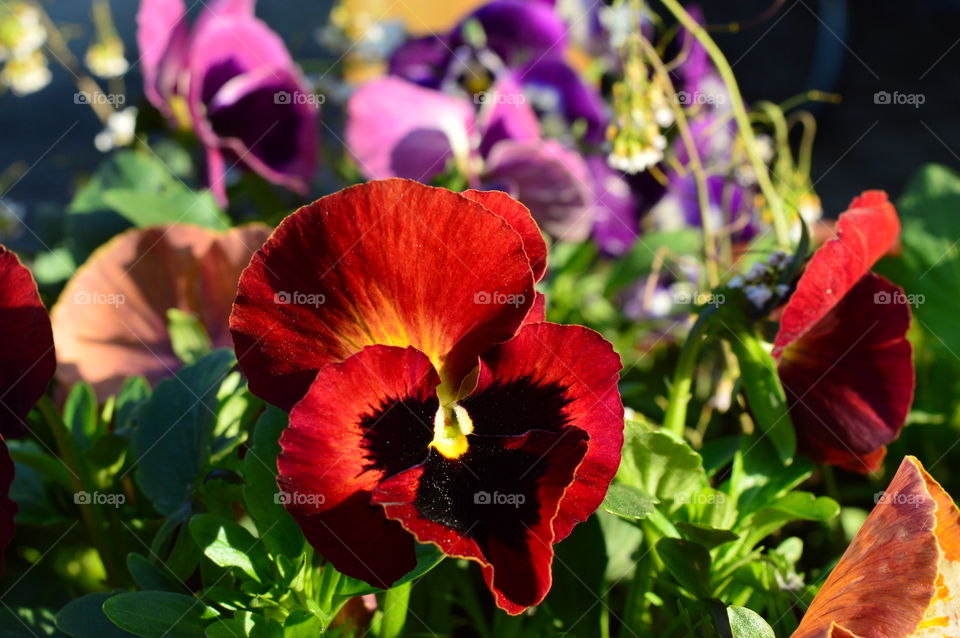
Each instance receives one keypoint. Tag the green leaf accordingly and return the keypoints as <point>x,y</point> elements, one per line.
<point>174,204</point>
<point>302,624</point>
<point>156,614</point>
<point>765,394</point>
<point>133,393</point>
<point>248,624</point>
<point>229,545</point>
<point>745,623</point>
<point>187,336</point>
<point>628,501</point>
<point>688,562</point>
<point>148,576</point>
<point>705,535</point>
<point>80,415</point>
<point>758,478</point>
<point>928,267</point>
<point>791,507</point>
<point>84,618</point>
<point>660,465</point>
<point>279,531</point>
<point>172,441</point>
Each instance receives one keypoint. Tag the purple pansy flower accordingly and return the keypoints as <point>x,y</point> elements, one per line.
<point>231,79</point>
<point>398,129</point>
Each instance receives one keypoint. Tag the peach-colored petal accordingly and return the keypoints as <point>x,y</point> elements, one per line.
<point>111,319</point>
<point>901,574</point>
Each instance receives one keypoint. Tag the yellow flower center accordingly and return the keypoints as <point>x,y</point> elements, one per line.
<point>451,426</point>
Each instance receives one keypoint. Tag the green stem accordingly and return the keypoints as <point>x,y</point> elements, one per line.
<point>92,514</point>
<point>395,603</point>
<point>696,167</point>
<point>780,223</point>
<point>679,396</point>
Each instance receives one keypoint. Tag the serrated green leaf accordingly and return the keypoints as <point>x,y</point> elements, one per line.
<point>705,535</point>
<point>660,465</point>
<point>628,501</point>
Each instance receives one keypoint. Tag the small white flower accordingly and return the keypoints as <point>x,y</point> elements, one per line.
<point>26,75</point>
<point>777,258</point>
<point>757,271</point>
<point>735,282</point>
<point>21,31</point>
<point>781,289</point>
<point>119,132</point>
<point>105,59</point>
<point>758,295</point>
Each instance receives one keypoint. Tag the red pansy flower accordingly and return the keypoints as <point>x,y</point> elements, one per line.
<point>27,363</point>
<point>430,402</point>
<point>901,574</point>
<point>842,350</point>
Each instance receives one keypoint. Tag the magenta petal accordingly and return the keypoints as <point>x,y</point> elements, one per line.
<point>549,179</point>
<point>505,114</point>
<point>162,35</point>
<point>398,129</point>
<point>275,139</point>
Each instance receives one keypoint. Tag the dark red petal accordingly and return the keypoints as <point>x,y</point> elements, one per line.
<point>391,262</point>
<point>886,579</point>
<point>538,313</point>
<point>864,233</point>
<point>520,219</point>
<point>494,505</point>
<point>8,509</point>
<point>363,419</point>
<point>27,358</point>
<point>551,376</point>
<point>849,379</point>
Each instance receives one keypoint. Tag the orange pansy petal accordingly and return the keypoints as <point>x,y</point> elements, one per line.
<point>111,319</point>
<point>897,578</point>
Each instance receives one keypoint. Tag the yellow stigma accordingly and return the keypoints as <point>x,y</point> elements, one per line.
<point>451,426</point>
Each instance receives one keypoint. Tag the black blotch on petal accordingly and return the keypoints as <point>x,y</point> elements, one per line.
<point>517,406</point>
<point>398,433</point>
<point>488,492</point>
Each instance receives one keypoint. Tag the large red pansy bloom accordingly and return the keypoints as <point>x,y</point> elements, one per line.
<point>901,574</point>
<point>430,402</point>
<point>842,349</point>
<point>27,363</point>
